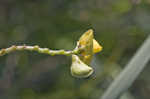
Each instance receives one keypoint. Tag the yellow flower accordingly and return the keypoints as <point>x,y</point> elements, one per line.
<point>80,64</point>
<point>91,46</point>
<point>86,41</point>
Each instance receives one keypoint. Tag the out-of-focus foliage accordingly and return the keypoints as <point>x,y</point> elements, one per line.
<point>120,26</point>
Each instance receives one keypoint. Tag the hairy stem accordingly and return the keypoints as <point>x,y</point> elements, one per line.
<point>38,49</point>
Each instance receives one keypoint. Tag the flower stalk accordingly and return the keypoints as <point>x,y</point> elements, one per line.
<point>38,49</point>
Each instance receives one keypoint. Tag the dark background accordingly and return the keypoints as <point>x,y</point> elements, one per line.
<point>120,26</point>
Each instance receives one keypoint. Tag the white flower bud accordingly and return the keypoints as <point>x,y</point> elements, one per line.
<point>80,69</point>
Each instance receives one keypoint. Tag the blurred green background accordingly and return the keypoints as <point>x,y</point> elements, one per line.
<point>120,26</point>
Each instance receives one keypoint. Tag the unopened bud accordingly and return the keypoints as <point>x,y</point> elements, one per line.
<point>80,69</point>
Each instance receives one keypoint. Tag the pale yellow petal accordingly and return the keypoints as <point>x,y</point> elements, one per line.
<point>79,69</point>
<point>96,46</point>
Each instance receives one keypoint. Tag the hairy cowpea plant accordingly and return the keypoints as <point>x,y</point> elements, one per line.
<point>81,55</point>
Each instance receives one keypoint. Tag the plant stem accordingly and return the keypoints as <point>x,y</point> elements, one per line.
<point>39,50</point>
<point>130,73</point>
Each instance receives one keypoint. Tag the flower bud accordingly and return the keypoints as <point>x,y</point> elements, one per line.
<point>80,69</point>
<point>86,41</point>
